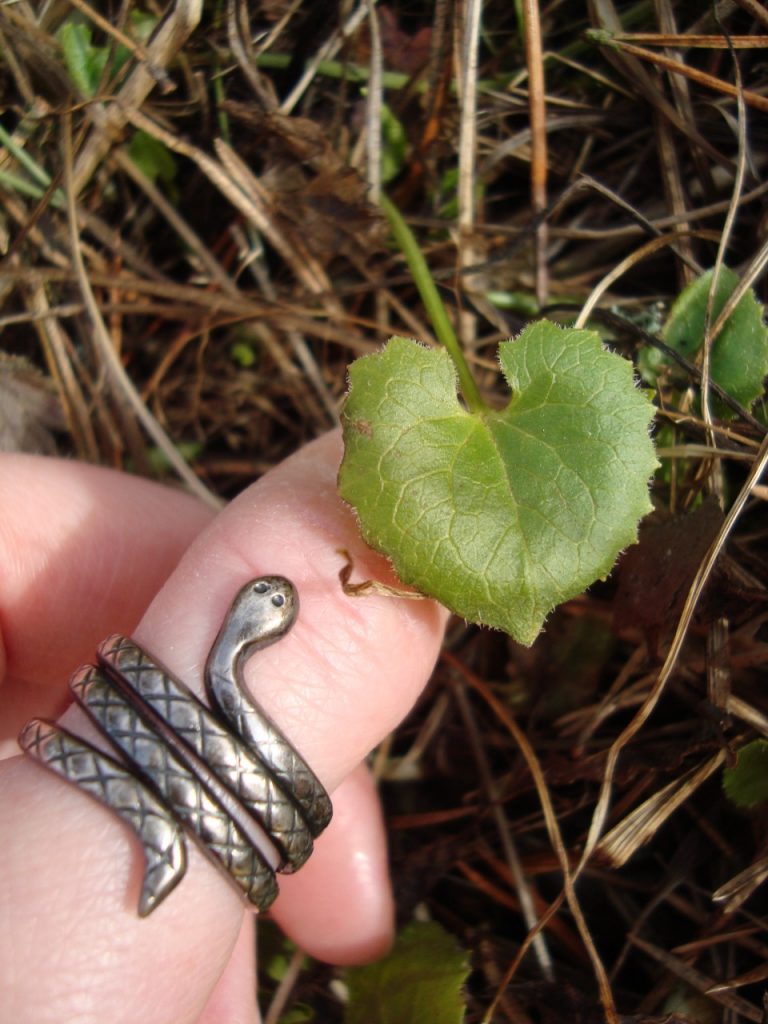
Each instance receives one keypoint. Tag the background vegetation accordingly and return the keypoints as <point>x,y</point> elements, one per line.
<point>192,253</point>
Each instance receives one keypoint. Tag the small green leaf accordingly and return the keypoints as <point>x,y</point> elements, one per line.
<point>500,515</point>
<point>152,157</point>
<point>448,194</point>
<point>189,451</point>
<point>746,784</point>
<point>394,144</point>
<point>299,1014</point>
<point>421,980</point>
<point>243,354</point>
<point>142,24</point>
<point>739,360</point>
<point>84,61</point>
<point>522,302</point>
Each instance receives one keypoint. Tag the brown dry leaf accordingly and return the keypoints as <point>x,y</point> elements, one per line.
<point>699,981</point>
<point>639,826</point>
<point>284,136</point>
<point>548,1003</point>
<point>311,186</point>
<point>757,974</point>
<point>739,888</point>
<point>655,575</point>
<point>369,588</point>
<point>29,408</point>
<point>401,50</point>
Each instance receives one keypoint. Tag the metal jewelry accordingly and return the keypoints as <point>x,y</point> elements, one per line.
<point>225,773</point>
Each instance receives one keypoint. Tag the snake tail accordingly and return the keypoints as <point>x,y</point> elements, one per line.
<point>112,785</point>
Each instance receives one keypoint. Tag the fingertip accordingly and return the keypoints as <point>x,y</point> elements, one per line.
<point>339,908</point>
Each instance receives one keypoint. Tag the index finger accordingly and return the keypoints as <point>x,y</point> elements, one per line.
<point>336,685</point>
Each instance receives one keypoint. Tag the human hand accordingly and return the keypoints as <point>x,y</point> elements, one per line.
<point>84,552</point>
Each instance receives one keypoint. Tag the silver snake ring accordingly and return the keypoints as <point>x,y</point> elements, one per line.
<point>226,773</point>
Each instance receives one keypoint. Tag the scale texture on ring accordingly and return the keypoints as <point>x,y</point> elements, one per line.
<point>223,773</point>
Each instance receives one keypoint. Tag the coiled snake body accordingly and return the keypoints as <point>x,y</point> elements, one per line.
<point>226,773</point>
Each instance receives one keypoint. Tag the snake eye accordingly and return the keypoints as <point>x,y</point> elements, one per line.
<point>278,600</point>
<point>261,587</point>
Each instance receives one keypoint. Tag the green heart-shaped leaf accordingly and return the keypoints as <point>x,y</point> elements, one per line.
<point>500,515</point>
<point>746,782</point>
<point>739,359</point>
<point>420,981</point>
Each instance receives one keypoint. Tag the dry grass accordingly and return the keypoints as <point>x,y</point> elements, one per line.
<point>558,808</point>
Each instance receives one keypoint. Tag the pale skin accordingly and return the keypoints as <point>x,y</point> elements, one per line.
<point>87,552</point>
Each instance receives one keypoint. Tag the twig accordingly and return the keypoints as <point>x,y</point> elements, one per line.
<point>698,981</point>
<point>668,155</point>
<point>641,824</point>
<point>169,36</point>
<point>756,9</point>
<point>284,989</point>
<point>55,312</point>
<point>556,839</point>
<point>302,350</point>
<point>699,582</point>
<point>754,99</point>
<point>748,278</point>
<point>527,907</point>
<point>215,270</point>
<point>238,184</point>
<point>688,41</point>
<point>373,108</point>
<point>136,48</point>
<point>26,90</point>
<point>53,340</point>
<point>725,239</point>
<point>606,14</point>
<point>621,268</point>
<point>466,191</point>
<point>329,49</point>
<point>240,44</point>
<point>122,382</point>
<point>538,119</point>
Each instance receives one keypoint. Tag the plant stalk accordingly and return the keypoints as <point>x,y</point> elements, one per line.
<point>433,303</point>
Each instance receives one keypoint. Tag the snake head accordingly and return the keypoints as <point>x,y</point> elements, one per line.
<point>263,611</point>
